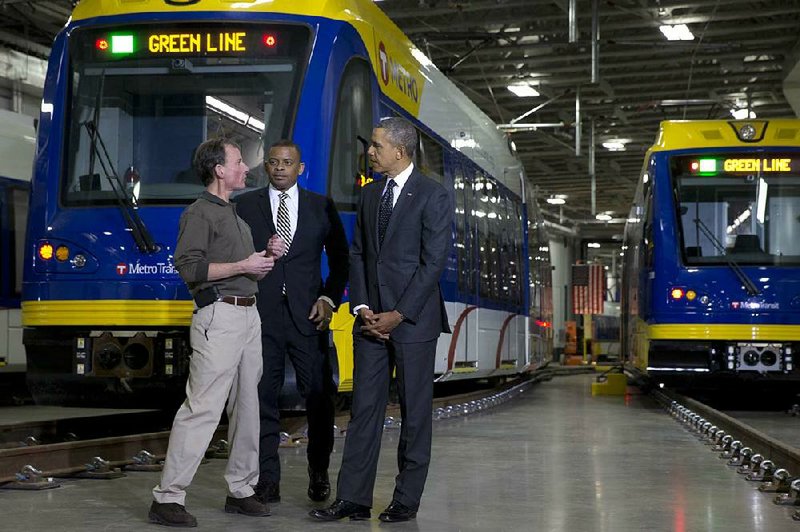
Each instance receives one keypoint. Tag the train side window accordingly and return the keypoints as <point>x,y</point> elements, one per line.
<point>431,157</point>
<point>648,229</point>
<point>462,240</point>
<point>482,210</point>
<point>353,119</point>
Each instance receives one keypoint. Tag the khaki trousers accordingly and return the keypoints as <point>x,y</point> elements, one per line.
<point>226,364</point>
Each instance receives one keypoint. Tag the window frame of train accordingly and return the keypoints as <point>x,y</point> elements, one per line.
<point>430,157</point>
<point>346,149</point>
<point>465,237</point>
<point>195,98</point>
<point>16,196</point>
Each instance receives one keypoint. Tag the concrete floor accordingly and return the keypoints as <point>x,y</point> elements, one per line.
<point>554,459</point>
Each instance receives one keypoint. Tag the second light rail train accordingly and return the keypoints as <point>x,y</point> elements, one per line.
<point>711,279</point>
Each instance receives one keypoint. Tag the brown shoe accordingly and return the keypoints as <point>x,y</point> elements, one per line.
<point>171,514</point>
<point>248,506</point>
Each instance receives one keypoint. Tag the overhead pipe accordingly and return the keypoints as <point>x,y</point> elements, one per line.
<point>578,122</point>
<point>592,170</point>
<point>573,21</point>
<point>512,127</point>
<point>551,100</point>
<point>595,41</point>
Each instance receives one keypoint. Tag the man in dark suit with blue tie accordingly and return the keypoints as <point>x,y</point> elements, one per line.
<point>296,307</point>
<point>400,245</point>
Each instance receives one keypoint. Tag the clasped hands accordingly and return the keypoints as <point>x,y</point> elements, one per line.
<point>381,324</point>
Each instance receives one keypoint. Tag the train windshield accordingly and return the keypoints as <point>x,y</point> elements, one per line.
<point>142,98</point>
<point>743,207</point>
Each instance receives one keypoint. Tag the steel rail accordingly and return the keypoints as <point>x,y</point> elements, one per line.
<point>783,455</point>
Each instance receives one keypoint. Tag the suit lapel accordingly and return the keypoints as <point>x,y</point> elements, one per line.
<point>405,199</point>
<point>370,221</point>
<point>302,222</point>
<point>266,210</point>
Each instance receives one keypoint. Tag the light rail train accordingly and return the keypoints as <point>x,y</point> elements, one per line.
<point>711,279</point>
<point>133,87</point>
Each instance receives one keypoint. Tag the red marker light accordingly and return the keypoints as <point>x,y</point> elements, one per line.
<point>101,44</point>
<point>269,40</point>
<point>694,166</point>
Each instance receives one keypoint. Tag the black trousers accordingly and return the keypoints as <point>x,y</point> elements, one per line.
<point>373,364</point>
<point>309,356</point>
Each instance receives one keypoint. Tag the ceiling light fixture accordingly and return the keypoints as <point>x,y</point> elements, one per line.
<point>523,90</point>
<point>677,32</point>
<point>742,114</point>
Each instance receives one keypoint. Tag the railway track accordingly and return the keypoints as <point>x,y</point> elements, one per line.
<point>33,466</point>
<point>772,465</point>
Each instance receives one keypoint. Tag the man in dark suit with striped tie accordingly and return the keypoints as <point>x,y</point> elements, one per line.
<point>296,307</point>
<point>400,245</point>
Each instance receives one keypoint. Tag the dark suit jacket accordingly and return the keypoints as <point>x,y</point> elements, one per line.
<point>404,274</point>
<point>318,227</point>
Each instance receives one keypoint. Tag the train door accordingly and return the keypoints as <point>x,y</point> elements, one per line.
<point>355,113</point>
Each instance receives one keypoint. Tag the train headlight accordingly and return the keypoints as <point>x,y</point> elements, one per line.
<point>750,358</point>
<point>46,251</point>
<point>676,293</point>
<point>768,358</point>
<point>62,253</point>
<point>79,261</point>
<point>690,295</point>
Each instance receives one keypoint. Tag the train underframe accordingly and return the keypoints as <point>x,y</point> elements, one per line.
<point>108,367</point>
<point>745,359</point>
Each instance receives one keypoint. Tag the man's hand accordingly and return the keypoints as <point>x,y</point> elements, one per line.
<point>380,325</point>
<point>321,314</point>
<point>276,247</point>
<point>258,264</point>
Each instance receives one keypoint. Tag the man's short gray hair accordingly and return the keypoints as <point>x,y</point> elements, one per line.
<point>401,133</point>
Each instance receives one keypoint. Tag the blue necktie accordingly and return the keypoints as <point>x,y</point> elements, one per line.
<point>385,211</point>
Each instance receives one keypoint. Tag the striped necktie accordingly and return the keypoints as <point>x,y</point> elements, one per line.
<point>284,225</point>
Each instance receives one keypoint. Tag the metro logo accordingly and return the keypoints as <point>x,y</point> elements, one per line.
<point>396,77</point>
<point>160,268</point>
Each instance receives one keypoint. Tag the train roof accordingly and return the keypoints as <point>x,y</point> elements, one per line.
<point>687,134</point>
<point>404,73</point>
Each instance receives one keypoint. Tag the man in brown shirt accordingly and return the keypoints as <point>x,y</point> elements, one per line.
<point>216,258</point>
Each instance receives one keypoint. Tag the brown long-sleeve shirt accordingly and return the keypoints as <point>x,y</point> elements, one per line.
<point>212,232</point>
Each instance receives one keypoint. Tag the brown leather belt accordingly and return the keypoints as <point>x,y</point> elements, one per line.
<point>238,300</point>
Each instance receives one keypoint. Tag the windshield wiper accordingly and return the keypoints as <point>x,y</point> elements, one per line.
<point>749,285</point>
<point>127,204</point>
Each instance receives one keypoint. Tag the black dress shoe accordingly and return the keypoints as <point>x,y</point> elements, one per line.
<point>319,487</point>
<point>397,512</point>
<point>171,514</point>
<point>341,509</point>
<point>268,492</point>
<point>246,506</point>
